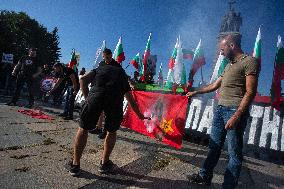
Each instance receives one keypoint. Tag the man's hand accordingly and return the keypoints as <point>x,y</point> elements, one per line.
<point>191,94</point>
<point>232,122</point>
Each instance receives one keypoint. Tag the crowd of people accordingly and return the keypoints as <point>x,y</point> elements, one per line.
<point>110,84</point>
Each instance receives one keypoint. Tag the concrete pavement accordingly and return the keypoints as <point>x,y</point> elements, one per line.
<point>33,153</point>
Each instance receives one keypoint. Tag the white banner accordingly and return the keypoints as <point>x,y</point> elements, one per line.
<point>7,58</point>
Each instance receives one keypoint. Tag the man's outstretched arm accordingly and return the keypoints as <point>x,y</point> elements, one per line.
<point>134,105</point>
<point>207,89</point>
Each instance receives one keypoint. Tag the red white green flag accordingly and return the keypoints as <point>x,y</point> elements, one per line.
<point>167,112</point>
<point>278,75</point>
<point>198,61</point>
<point>73,61</point>
<point>136,61</point>
<point>257,47</point>
<point>170,78</point>
<point>219,67</point>
<point>179,68</point>
<point>177,73</point>
<point>146,56</point>
<point>118,54</point>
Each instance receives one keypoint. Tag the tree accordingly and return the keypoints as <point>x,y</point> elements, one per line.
<point>18,32</point>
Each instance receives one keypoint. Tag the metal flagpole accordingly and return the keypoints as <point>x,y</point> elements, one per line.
<point>201,74</point>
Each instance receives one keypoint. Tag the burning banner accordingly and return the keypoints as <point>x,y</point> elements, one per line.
<point>167,112</point>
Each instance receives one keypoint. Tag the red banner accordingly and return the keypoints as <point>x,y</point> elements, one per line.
<point>168,116</point>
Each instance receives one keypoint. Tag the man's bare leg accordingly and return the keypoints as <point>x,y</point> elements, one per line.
<point>100,121</point>
<point>108,146</point>
<point>79,145</point>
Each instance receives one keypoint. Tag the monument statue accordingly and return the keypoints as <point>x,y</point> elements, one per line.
<point>232,21</point>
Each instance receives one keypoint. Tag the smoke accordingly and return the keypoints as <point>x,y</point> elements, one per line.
<point>202,22</point>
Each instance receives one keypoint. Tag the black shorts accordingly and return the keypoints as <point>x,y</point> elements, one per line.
<point>92,109</point>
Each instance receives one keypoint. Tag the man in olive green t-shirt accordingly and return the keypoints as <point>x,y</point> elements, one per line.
<point>238,85</point>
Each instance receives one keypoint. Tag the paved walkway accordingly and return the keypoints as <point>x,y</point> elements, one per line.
<point>34,151</point>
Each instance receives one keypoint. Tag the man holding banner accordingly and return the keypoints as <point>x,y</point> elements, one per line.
<point>110,85</point>
<point>238,85</point>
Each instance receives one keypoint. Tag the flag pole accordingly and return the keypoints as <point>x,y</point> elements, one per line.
<point>201,74</point>
<point>127,65</point>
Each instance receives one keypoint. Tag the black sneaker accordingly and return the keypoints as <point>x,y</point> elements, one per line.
<point>103,134</point>
<point>62,115</point>
<point>96,131</point>
<point>197,179</point>
<point>68,118</point>
<point>74,170</point>
<point>106,167</point>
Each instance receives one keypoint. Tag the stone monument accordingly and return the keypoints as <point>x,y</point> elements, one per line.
<point>231,24</point>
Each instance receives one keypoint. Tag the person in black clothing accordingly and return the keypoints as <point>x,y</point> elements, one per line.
<point>71,80</point>
<point>110,85</point>
<point>26,71</point>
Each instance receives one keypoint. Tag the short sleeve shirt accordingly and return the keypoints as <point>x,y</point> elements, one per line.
<point>67,72</point>
<point>29,65</point>
<point>110,80</point>
<point>233,86</point>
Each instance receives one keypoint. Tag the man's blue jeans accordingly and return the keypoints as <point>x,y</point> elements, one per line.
<point>69,102</point>
<point>235,144</point>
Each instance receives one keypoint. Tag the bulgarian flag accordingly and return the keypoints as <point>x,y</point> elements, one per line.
<point>146,56</point>
<point>179,68</point>
<point>136,61</point>
<point>198,61</point>
<point>168,115</point>
<point>73,62</point>
<point>170,77</point>
<point>257,47</point>
<point>219,67</point>
<point>118,54</point>
<point>278,75</point>
<point>177,73</point>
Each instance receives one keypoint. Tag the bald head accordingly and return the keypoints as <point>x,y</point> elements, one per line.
<point>230,46</point>
<point>232,39</point>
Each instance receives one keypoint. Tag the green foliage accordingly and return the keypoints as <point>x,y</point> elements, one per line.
<point>18,32</point>
<point>155,87</point>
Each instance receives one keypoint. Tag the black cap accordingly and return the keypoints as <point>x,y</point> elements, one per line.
<point>107,51</point>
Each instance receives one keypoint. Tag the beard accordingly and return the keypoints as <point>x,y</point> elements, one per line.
<point>230,55</point>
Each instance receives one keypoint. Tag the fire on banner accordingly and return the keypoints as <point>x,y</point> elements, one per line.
<point>167,112</point>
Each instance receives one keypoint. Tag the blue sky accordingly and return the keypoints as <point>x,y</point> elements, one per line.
<point>84,24</point>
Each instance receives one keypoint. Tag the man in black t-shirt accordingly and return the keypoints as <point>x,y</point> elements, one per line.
<point>110,85</point>
<point>71,80</point>
<point>26,71</point>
